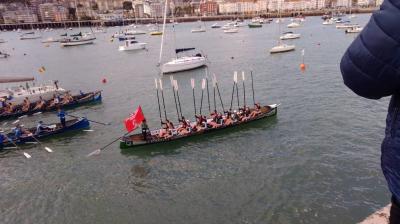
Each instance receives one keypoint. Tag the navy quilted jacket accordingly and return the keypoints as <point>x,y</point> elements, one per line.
<point>370,67</point>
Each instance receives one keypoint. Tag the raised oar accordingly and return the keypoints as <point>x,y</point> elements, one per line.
<point>208,92</point>
<point>233,89</point>
<point>252,86</point>
<point>194,98</point>
<point>163,101</point>
<point>173,90</point>
<point>158,99</point>
<point>98,151</point>
<point>244,91</point>
<point>45,147</point>
<point>16,146</point>
<point>203,86</point>
<point>215,103</point>
<point>237,89</point>
<point>97,122</point>
<point>177,94</point>
<point>219,93</point>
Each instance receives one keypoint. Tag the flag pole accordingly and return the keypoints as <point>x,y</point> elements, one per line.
<point>158,99</point>
<point>194,98</point>
<point>252,86</point>
<point>173,90</point>
<point>162,95</point>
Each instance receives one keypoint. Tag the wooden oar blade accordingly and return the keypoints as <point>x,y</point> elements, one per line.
<point>37,113</point>
<point>27,155</point>
<point>23,116</point>
<point>15,122</point>
<point>95,152</point>
<point>48,149</point>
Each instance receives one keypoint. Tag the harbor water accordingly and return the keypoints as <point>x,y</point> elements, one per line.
<point>317,161</point>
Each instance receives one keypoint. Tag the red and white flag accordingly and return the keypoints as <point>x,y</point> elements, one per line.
<point>135,120</point>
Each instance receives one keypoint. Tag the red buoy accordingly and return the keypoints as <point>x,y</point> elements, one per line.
<point>104,80</point>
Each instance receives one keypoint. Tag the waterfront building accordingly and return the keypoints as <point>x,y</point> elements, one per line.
<point>208,8</point>
<point>19,16</point>
<point>47,12</point>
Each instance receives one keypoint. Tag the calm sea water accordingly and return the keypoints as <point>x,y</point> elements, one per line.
<point>318,161</point>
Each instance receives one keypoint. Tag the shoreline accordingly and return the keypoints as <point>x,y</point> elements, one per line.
<point>94,23</point>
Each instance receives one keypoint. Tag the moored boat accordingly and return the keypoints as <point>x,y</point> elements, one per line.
<point>136,140</point>
<point>255,25</point>
<point>282,48</point>
<point>293,25</point>
<point>52,130</point>
<point>215,26</point>
<point>231,30</point>
<point>132,45</point>
<point>289,35</point>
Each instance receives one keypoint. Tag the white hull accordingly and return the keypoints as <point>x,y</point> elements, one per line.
<point>231,31</point>
<point>198,30</point>
<point>137,46</point>
<point>33,97</point>
<point>346,26</point>
<point>135,32</point>
<point>183,64</point>
<point>290,36</point>
<point>30,37</point>
<point>77,42</point>
<point>282,48</point>
<point>354,30</point>
<point>293,25</point>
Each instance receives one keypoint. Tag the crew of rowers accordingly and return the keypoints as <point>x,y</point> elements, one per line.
<point>41,104</point>
<point>217,120</point>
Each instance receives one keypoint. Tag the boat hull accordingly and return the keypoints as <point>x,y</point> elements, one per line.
<point>71,125</point>
<point>279,49</point>
<point>138,46</point>
<point>183,64</point>
<point>80,100</point>
<point>76,43</point>
<point>255,25</point>
<point>133,141</point>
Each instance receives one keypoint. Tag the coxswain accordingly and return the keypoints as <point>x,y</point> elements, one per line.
<point>145,129</point>
<point>61,114</point>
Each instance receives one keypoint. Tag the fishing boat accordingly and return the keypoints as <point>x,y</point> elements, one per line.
<point>231,30</point>
<point>52,130</point>
<point>289,35</point>
<point>215,26</point>
<point>136,140</point>
<point>255,25</point>
<point>131,45</point>
<point>293,25</point>
<point>78,100</point>
<point>281,48</point>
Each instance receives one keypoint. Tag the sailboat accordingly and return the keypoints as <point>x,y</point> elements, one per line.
<point>281,47</point>
<point>199,28</point>
<point>29,35</point>
<point>79,38</point>
<point>156,32</point>
<point>179,63</point>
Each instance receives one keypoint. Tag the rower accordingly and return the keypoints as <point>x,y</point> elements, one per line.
<point>17,131</point>
<point>40,104</point>
<point>61,114</point>
<point>26,105</point>
<point>67,98</point>
<point>2,138</point>
<point>3,101</point>
<point>145,129</point>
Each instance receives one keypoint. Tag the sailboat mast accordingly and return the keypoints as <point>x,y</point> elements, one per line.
<point>163,30</point>
<point>77,14</point>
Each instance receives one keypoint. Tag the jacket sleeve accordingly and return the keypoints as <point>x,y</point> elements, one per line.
<point>370,66</point>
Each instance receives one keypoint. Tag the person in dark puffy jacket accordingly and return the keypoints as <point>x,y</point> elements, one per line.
<point>371,68</point>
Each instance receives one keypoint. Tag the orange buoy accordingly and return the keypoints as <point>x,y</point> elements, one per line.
<point>302,67</point>
<point>104,80</point>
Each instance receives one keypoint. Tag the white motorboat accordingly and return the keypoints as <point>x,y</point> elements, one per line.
<point>354,30</point>
<point>30,36</point>
<point>328,22</point>
<point>231,30</point>
<point>289,35</point>
<point>293,25</point>
<point>17,94</point>
<point>183,64</point>
<point>77,41</point>
<point>215,25</point>
<point>131,45</point>
<point>238,24</point>
<point>346,26</point>
<point>282,48</point>
<point>199,29</point>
